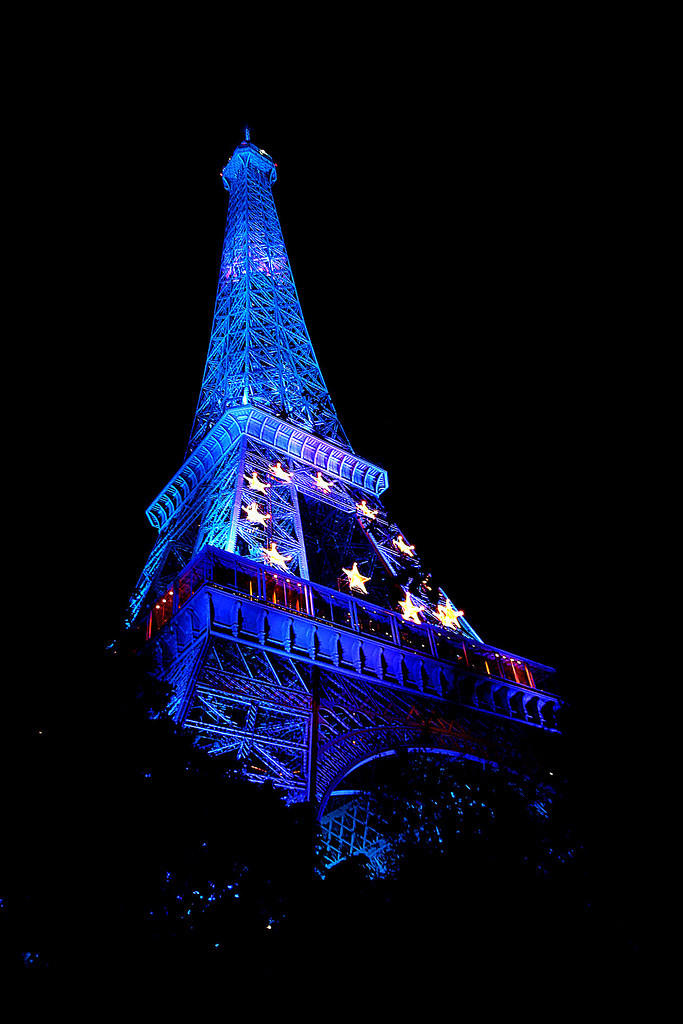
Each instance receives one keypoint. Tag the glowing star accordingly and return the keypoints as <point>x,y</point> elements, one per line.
<point>448,616</point>
<point>256,484</point>
<point>280,473</point>
<point>275,557</point>
<point>324,485</point>
<point>405,549</point>
<point>253,514</point>
<point>371,513</point>
<point>356,581</point>
<point>410,610</point>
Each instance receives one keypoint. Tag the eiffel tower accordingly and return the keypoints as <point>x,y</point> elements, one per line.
<point>292,619</point>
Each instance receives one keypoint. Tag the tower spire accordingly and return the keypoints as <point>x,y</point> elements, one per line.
<point>246,133</point>
<point>260,351</point>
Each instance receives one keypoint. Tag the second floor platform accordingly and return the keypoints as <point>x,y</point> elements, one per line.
<point>264,606</point>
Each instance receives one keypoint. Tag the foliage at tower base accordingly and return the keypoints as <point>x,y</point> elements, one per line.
<point>173,858</point>
<point>428,806</point>
<point>473,860</point>
<point>184,862</point>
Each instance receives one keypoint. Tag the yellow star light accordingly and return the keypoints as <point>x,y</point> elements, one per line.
<point>323,484</point>
<point>256,484</point>
<point>275,557</point>
<point>448,616</point>
<point>405,549</point>
<point>281,473</point>
<point>253,514</point>
<point>356,581</point>
<point>410,610</point>
<point>371,513</point>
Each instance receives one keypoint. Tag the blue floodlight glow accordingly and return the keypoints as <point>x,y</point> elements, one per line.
<point>289,671</point>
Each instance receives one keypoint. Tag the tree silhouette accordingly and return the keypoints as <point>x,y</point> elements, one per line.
<point>174,856</point>
<point>175,859</point>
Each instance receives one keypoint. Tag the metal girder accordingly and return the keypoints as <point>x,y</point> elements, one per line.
<point>348,831</point>
<point>260,351</point>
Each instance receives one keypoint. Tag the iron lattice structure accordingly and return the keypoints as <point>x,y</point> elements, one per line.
<point>260,352</point>
<point>289,614</point>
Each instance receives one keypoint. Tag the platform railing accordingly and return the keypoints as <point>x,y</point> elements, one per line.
<point>262,583</point>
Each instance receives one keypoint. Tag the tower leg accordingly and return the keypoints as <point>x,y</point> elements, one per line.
<point>315,723</point>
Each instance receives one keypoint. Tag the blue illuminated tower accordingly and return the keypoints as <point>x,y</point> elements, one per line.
<point>289,614</point>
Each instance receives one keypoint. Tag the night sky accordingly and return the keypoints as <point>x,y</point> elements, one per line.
<point>449,246</point>
<point>459,217</point>
<point>439,275</point>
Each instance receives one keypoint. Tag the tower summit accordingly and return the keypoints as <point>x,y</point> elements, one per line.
<point>260,352</point>
<point>293,620</point>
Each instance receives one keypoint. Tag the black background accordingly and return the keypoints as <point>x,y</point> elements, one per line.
<point>446,288</point>
<point>447,272</point>
<point>449,266</point>
<point>452,217</point>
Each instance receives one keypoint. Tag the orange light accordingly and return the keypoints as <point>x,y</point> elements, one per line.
<point>356,581</point>
<point>410,610</point>
<point>280,473</point>
<point>275,557</point>
<point>253,514</point>
<point>320,482</point>
<point>448,616</point>
<point>371,513</point>
<point>256,484</point>
<point>405,549</point>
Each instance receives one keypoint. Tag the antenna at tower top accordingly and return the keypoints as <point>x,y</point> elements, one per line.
<point>246,133</point>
